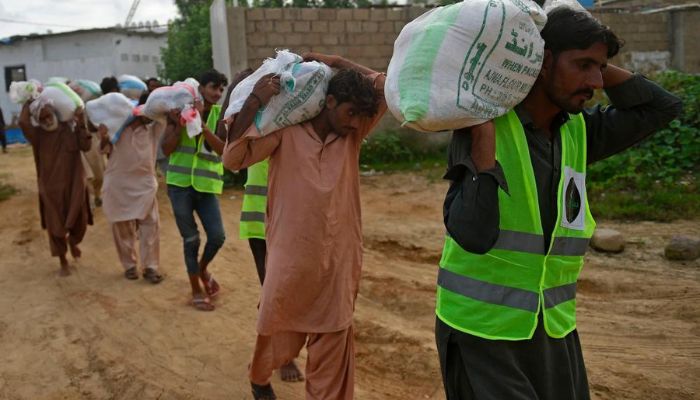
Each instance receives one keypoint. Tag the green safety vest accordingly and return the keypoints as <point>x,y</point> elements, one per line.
<point>498,295</point>
<point>252,224</point>
<point>191,164</point>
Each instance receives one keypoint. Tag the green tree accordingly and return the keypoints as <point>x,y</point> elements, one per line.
<point>189,42</point>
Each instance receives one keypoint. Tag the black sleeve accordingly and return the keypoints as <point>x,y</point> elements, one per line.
<point>470,210</point>
<point>639,108</point>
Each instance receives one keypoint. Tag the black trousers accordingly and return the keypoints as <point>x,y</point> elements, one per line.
<point>542,368</point>
<point>3,140</point>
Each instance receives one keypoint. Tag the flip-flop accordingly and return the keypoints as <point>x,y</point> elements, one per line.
<point>152,276</point>
<point>263,392</point>
<point>202,304</point>
<point>131,273</point>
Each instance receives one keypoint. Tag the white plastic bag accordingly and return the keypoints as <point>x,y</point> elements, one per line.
<point>61,98</point>
<point>463,64</point>
<point>86,89</point>
<point>21,91</point>
<point>113,110</point>
<point>131,86</point>
<point>180,96</point>
<point>302,96</point>
<point>56,79</point>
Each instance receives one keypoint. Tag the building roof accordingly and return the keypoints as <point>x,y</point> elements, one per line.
<point>157,31</point>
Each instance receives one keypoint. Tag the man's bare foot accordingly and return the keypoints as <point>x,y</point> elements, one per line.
<point>290,373</point>
<point>64,271</point>
<point>75,251</point>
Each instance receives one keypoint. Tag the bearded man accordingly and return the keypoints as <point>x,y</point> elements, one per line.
<point>63,197</point>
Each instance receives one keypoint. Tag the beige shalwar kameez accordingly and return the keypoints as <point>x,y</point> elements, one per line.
<point>314,251</point>
<point>129,194</point>
<point>94,163</point>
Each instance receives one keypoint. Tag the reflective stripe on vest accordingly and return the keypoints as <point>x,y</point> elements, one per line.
<point>203,156</point>
<point>254,206</point>
<point>192,165</point>
<point>498,295</point>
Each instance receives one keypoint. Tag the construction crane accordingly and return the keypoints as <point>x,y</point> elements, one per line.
<point>132,11</point>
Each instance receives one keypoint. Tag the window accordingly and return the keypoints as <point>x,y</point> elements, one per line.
<point>155,59</point>
<point>125,57</point>
<point>144,57</point>
<point>14,73</point>
<point>135,58</point>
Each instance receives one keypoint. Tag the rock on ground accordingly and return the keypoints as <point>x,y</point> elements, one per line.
<point>682,248</point>
<point>608,240</point>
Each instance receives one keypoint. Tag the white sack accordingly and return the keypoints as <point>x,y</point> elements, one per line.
<point>56,79</point>
<point>302,95</point>
<point>463,64</point>
<point>86,89</point>
<point>180,96</point>
<point>61,98</point>
<point>21,91</point>
<point>113,110</point>
<point>131,86</point>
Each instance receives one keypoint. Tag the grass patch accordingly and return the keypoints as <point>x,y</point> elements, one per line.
<point>6,191</point>
<point>389,151</point>
<point>661,203</point>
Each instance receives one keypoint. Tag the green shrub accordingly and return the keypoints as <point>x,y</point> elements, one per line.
<point>385,147</point>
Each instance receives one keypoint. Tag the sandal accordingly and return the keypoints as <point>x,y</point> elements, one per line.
<point>211,286</point>
<point>263,392</point>
<point>131,273</point>
<point>202,304</point>
<point>152,276</point>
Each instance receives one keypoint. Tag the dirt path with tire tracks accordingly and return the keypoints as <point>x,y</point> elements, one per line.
<point>96,335</point>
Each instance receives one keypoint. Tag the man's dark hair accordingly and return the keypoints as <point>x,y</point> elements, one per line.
<point>351,86</point>
<point>212,76</point>
<point>109,84</point>
<point>149,80</point>
<point>144,97</point>
<point>569,29</point>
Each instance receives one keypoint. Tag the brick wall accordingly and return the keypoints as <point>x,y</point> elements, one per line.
<point>691,49</point>
<point>367,35</point>
<point>364,35</point>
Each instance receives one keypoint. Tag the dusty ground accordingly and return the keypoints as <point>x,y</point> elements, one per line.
<point>96,335</point>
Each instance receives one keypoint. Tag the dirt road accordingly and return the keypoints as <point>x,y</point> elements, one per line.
<point>96,335</point>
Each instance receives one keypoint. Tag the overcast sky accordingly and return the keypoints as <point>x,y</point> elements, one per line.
<point>22,17</point>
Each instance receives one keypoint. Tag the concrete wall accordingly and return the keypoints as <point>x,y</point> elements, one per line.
<point>83,55</point>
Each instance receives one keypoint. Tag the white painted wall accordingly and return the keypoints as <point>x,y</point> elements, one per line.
<point>82,55</point>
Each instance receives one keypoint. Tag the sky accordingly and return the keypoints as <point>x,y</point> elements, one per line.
<point>23,17</point>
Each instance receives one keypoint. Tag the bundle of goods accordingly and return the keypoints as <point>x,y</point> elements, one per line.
<point>466,63</point>
<point>86,89</point>
<point>302,95</point>
<point>113,110</point>
<point>56,79</point>
<point>131,86</point>
<point>61,98</point>
<point>22,91</point>
<point>180,96</point>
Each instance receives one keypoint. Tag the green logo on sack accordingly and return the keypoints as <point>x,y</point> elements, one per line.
<point>282,118</point>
